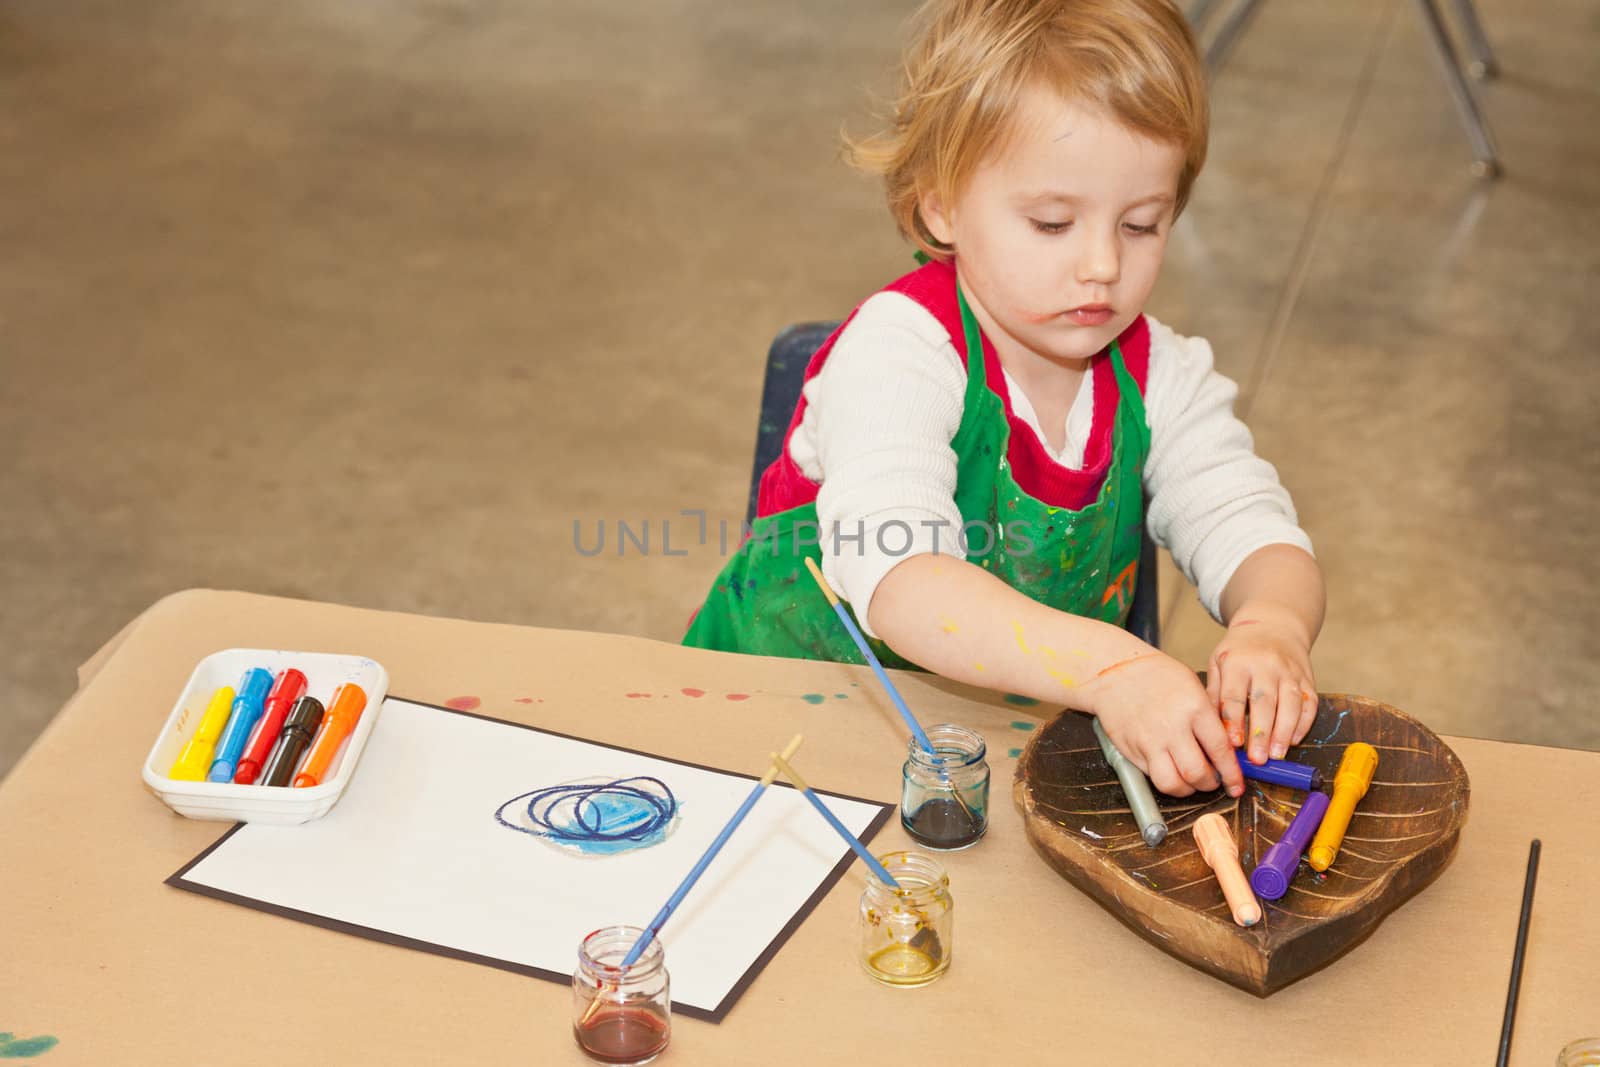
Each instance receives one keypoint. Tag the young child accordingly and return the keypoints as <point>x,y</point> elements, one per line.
<point>973,449</point>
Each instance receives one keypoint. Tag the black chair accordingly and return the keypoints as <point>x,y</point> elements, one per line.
<point>787,359</point>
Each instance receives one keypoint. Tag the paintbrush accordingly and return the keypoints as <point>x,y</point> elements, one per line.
<point>833,820</point>
<point>924,940</point>
<point>1518,954</point>
<point>894,694</point>
<point>694,873</point>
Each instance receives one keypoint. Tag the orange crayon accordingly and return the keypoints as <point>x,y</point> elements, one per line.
<point>344,711</point>
<point>1215,842</point>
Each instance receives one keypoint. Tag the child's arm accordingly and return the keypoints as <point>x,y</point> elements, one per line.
<point>1273,606</point>
<point>958,620</point>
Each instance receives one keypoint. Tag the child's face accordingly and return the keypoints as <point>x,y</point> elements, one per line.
<point>1059,238</point>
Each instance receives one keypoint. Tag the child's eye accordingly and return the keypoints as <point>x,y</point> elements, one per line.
<point>1050,227</point>
<point>1140,230</point>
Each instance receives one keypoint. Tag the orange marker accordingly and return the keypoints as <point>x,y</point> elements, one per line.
<point>1215,842</point>
<point>338,723</point>
<point>1350,784</point>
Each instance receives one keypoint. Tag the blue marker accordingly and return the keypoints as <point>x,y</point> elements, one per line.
<point>247,709</point>
<point>1281,772</point>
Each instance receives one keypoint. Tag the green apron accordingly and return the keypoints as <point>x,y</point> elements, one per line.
<point>1085,562</point>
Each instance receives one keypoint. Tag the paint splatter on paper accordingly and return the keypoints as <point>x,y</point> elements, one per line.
<point>25,1048</point>
<point>463,703</point>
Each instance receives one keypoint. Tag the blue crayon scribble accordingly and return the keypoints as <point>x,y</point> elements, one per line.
<point>1337,725</point>
<point>13,1048</point>
<point>597,818</point>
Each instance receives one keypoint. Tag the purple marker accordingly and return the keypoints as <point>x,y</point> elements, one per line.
<point>1272,875</point>
<point>1281,772</point>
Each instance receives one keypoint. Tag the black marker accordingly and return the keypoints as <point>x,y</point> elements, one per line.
<point>298,731</point>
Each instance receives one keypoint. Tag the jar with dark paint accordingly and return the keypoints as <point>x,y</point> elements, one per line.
<point>621,1016</point>
<point>944,795</point>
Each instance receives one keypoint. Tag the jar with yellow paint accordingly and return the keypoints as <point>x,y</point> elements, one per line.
<point>906,933</point>
<point>1582,1053</point>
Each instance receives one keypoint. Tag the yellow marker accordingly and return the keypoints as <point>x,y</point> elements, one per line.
<point>195,760</point>
<point>1215,842</point>
<point>1349,786</point>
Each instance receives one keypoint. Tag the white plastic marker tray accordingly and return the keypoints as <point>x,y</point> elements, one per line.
<point>263,803</point>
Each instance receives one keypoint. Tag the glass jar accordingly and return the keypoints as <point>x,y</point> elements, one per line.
<point>906,933</point>
<point>944,797</point>
<point>620,1016</point>
<point>1581,1053</point>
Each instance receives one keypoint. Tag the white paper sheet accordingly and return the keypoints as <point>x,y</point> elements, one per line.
<point>413,850</point>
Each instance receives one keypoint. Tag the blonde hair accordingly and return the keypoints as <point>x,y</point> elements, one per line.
<point>969,62</point>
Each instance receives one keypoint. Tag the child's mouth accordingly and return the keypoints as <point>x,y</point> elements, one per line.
<point>1091,315</point>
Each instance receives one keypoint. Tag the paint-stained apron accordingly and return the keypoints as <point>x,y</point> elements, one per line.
<point>1083,561</point>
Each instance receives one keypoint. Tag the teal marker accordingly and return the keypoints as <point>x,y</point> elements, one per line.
<point>1136,787</point>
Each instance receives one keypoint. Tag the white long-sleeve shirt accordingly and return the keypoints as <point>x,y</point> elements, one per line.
<point>881,413</point>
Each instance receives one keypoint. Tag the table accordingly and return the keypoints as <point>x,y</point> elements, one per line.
<point>123,969</point>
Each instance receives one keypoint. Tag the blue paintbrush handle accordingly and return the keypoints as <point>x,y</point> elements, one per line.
<point>877,668</point>
<point>850,839</point>
<point>694,876</point>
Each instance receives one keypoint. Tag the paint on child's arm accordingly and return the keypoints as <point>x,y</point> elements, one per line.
<point>1117,666</point>
<point>1022,643</point>
<point>948,624</point>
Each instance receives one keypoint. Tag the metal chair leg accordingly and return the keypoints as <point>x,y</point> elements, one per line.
<point>1483,65</point>
<point>1486,162</point>
<point>1199,13</point>
<point>1228,33</point>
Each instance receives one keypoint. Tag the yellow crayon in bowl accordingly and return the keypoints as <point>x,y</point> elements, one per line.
<point>1217,847</point>
<point>1349,786</point>
<point>195,759</point>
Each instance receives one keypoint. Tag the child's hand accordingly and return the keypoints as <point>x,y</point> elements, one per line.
<point>1158,715</point>
<point>1263,666</point>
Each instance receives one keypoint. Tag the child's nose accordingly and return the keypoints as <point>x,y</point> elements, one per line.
<point>1101,263</point>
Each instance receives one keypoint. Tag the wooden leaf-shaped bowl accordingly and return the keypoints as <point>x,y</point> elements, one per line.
<point>1403,832</point>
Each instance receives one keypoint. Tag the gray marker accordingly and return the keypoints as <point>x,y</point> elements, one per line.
<point>1136,787</point>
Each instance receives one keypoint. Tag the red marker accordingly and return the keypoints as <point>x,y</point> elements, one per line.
<point>288,687</point>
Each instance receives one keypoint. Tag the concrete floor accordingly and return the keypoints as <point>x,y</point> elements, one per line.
<point>372,303</point>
